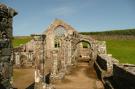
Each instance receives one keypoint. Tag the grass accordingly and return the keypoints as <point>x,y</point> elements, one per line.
<point>123,50</point>
<point>17,41</point>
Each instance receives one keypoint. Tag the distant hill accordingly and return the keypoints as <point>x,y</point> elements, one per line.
<point>112,35</point>
<point>113,32</point>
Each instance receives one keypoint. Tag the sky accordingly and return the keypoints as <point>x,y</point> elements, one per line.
<point>34,16</point>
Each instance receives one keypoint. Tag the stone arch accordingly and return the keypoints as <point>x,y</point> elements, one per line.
<point>91,48</point>
<point>83,40</point>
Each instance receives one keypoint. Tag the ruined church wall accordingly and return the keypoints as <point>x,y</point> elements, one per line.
<point>27,53</point>
<point>50,38</point>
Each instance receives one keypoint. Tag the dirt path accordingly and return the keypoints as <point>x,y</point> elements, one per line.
<point>23,78</point>
<point>82,77</point>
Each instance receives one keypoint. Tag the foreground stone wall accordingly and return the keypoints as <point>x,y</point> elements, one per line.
<point>6,20</point>
<point>113,74</point>
<point>123,77</point>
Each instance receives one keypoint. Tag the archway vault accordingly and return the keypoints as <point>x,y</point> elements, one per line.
<point>82,38</point>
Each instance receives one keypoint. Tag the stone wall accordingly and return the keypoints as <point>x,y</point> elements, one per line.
<point>25,54</point>
<point>113,74</point>
<point>6,20</point>
<point>123,78</point>
<point>98,71</point>
<point>102,63</point>
<point>101,47</point>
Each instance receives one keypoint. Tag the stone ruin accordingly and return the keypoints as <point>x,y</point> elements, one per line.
<point>55,52</point>
<point>23,55</point>
<point>58,49</point>
<point>6,19</point>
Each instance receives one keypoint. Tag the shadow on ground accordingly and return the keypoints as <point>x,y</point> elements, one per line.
<point>31,86</point>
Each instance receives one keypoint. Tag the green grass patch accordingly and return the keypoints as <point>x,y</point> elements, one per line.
<point>17,41</point>
<point>123,50</point>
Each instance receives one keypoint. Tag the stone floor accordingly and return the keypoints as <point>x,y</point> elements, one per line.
<point>82,77</point>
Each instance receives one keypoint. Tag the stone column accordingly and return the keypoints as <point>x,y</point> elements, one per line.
<point>55,65</point>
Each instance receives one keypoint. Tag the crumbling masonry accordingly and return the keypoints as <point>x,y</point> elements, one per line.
<point>6,18</point>
<point>58,49</point>
<point>55,52</point>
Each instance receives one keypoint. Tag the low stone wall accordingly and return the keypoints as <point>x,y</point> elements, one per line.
<point>98,71</point>
<point>114,75</point>
<point>123,78</point>
<point>102,63</point>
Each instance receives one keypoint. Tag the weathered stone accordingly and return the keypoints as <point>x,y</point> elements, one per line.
<point>61,49</point>
<point>6,15</point>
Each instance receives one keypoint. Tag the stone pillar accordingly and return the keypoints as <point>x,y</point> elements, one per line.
<point>55,65</point>
<point>6,15</point>
<point>69,53</point>
<point>17,59</point>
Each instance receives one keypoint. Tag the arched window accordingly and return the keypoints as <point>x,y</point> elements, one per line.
<point>58,32</point>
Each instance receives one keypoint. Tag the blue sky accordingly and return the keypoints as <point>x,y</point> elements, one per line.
<point>84,15</point>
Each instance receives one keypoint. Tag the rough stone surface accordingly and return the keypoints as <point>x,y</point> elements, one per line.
<point>6,16</point>
<point>116,75</point>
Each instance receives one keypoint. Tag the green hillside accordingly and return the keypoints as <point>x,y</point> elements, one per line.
<point>18,40</point>
<point>113,32</point>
